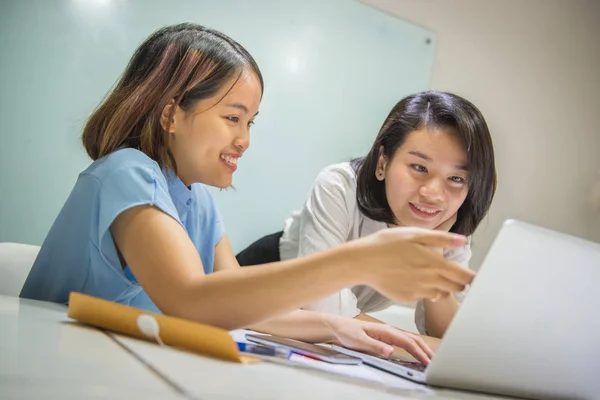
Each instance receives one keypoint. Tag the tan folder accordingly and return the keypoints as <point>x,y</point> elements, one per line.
<point>176,332</point>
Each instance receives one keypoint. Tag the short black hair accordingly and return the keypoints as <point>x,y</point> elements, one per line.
<point>439,110</point>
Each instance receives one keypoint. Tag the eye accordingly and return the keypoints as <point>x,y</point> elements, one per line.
<point>235,120</point>
<point>457,179</point>
<point>250,123</point>
<point>418,168</point>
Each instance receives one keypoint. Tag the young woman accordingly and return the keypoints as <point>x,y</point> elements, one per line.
<point>141,228</point>
<point>431,166</point>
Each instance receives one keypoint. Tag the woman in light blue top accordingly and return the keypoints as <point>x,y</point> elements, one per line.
<point>140,227</point>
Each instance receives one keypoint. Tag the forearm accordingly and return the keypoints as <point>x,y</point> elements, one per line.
<point>368,318</point>
<point>308,326</point>
<point>439,314</point>
<point>279,288</point>
<point>167,265</point>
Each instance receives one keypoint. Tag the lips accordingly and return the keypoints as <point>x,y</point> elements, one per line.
<point>230,160</point>
<point>424,211</point>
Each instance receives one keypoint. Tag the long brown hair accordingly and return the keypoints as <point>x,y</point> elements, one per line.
<point>432,109</point>
<point>185,63</point>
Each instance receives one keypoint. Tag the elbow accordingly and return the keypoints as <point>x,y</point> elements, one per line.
<point>435,332</point>
<point>195,303</point>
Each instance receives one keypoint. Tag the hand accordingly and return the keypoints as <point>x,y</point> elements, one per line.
<point>377,339</point>
<point>448,224</point>
<point>403,266</point>
<point>445,227</point>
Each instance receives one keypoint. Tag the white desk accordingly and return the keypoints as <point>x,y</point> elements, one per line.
<point>44,356</point>
<point>207,378</point>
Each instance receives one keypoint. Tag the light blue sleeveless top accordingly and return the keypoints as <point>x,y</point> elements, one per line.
<point>79,253</point>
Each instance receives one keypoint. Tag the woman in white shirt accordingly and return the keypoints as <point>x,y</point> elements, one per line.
<point>431,166</point>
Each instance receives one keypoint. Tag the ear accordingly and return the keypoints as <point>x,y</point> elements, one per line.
<point>381,164</point>
<point>167,117</point>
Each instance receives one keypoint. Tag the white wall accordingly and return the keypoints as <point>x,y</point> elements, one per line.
<point>533,68</point>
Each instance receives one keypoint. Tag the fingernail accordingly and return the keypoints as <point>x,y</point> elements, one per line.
<point>458,238</point>
<point>388,350</point>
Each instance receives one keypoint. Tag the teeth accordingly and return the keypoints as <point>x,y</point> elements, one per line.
<point>231,160</point>
<point>424,210</point>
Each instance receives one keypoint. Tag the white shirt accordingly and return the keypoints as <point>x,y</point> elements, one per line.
<point>331,217</point>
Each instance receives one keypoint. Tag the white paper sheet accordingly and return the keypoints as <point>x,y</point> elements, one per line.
<point>361,372</point>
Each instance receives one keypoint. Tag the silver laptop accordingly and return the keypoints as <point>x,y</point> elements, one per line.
<point>529,325</point>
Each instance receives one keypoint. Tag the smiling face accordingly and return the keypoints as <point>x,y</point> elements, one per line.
<point>426,181</point>
<point>208,140</point>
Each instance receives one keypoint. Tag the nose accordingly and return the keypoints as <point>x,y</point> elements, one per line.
<point>242,141</point>
<point>432,190</point>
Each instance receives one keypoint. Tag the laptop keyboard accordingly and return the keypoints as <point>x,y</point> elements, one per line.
<point>414,365</point>
<point>417,366</point>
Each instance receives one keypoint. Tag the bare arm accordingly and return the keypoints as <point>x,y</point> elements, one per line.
<point>302,325</point>
<point>368,318</point>
<point>167,265</point>
<point>165,262</point>
<point>439,314</point>
<point>310,326</point>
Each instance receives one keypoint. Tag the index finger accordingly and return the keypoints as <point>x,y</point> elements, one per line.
<point>417,349</point>
<point>436,238</point>
<point>455,273</point>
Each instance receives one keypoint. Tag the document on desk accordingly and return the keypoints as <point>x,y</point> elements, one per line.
<point>360,372</point>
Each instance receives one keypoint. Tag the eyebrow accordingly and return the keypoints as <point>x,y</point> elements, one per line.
<point>427,158</point>
<point>241,107</point>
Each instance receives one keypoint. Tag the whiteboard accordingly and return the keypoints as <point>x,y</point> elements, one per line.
<point>332,68</point>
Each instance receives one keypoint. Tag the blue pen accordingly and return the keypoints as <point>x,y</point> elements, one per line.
<point>262,350</point>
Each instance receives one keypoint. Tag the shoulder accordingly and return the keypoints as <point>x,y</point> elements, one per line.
<point>335,189</point>
<point>125,178</point>
<point>341,175</point>
<point>115,163</point>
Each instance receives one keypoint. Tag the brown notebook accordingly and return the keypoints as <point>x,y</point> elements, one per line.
<point>176,332</point>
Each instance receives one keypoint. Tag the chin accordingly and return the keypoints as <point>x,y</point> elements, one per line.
<point>417,223</point>
<point>428,225</point>
<point>218,183</point>
<point>224,184</point>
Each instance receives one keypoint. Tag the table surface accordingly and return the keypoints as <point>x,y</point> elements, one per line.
<point>204,378</point>
<point>46,355</point>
